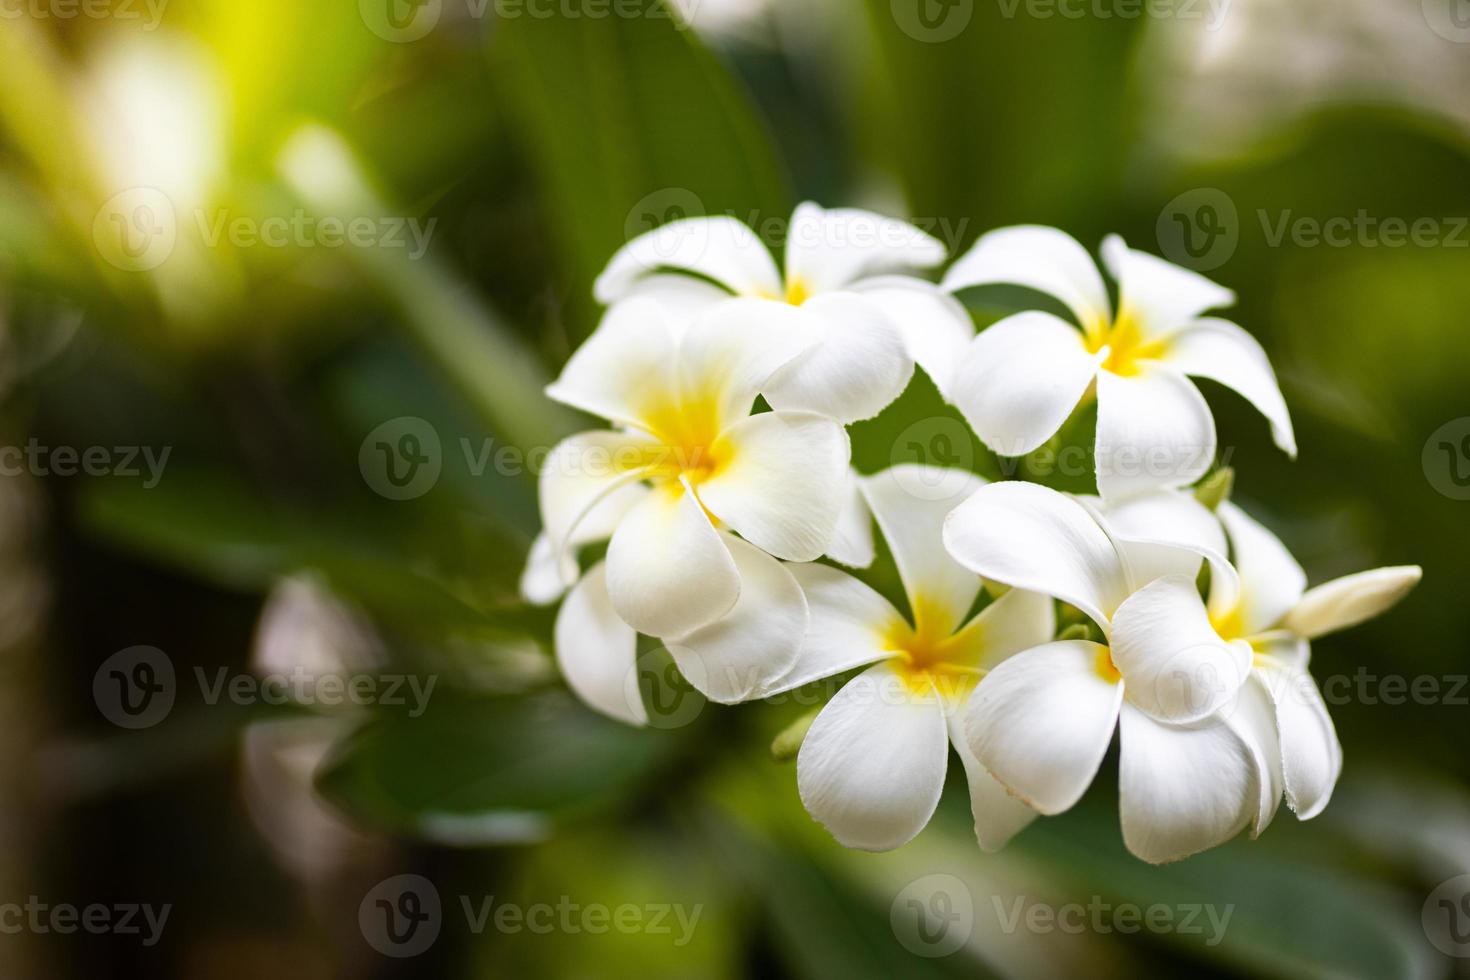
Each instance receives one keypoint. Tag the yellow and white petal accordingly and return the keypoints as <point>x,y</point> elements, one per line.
<point>848,628</point>
<point>1175,665</point>
<point>999,816</point>
<point>1253,716</point>
<point>1018,620</point>
<point>1031,537</point>
<point>548,572</point>
<point>852,542</point>
<point>1154,430</point>
<point>742,653</point>
<point>596,651</point>
<point>910,502</point>
<point>730,352</point>
<point>1311,756</point>
<point>1165,532</point>
<point>1160,297</point>
<point>872,766</point>
<point>831,248</point>
<point>589,481</point>
<point>1351,600</point>
<point>780,482</point>
<point>1040,258</point>
<point>1021,378</point>
<point>1223,352</point>
<point>1042,721</point>
<point>856,369</point>
<point>668,571</point>
<point>934,326</point>
<point>719,248</point>
<point>1271,581</point>
<point>1182,790</point>
<point>630,356</point>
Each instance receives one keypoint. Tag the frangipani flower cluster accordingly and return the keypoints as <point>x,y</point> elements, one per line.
<point>724,492</point>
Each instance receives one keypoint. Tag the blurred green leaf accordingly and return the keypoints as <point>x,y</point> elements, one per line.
<point>487,770</point>
<point>632,123</point>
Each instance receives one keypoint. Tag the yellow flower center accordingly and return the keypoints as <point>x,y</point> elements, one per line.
<point>1126,342</point>
<point>927,657</point>
<point>1105,668</point>
<point>797,292</point>
<point>688,430</point>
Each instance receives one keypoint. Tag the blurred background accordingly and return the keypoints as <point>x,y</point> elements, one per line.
<point>280,284</point>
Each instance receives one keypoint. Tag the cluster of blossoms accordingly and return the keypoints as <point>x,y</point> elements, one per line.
<point>718,517</point>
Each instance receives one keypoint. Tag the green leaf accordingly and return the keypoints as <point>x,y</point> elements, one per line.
<point>628,122</point>
<point>487,770</point>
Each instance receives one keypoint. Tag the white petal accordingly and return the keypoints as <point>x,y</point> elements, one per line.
<point>1253,716</point>
<point>1311,756</point>
<point>1271,581</point>
<point>668,572</point>
<point>1040,258</point>
<point>596,650</point>
<point>934,326</point>
<point>1166,532</point>
<point>855,370</point>
<point>852,542</point>
<point>1351,600</point>
<point>1042,720</point>
<point>682,297</point>
<point>781,483</point>
<point>832,248</point>
<point>1182,790</point>
<point>1021,378</point>
<point>719,248</point>
<point>940,590</point>
<point>999,816</point>
<point>1175,665</point>
<point>1223,352</point>
<point>872,765</point>
<point>733,348</point>
<point>1163,298</point>
<point>848,628</point>
<point>756,642</point>
<point>589,481</point>
<point>1153,430</point>
<point>1031,537</point>
<point>545,578</point>
<point>631,354</point>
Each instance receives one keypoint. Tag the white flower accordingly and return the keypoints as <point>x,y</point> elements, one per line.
<point>872,766</point>
<point>1272,610</point>
<point>1022,377</point>
<point>844,273</point>
<point>690,466</point>
<point>1042,720</point>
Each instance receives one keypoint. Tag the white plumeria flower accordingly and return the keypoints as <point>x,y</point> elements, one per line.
<point>1023,377</point>
<point>847,273</point>
<point>1272,610</point>
<point>690,466</point>
<point>872,766</point>
<point>1042,721</point>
